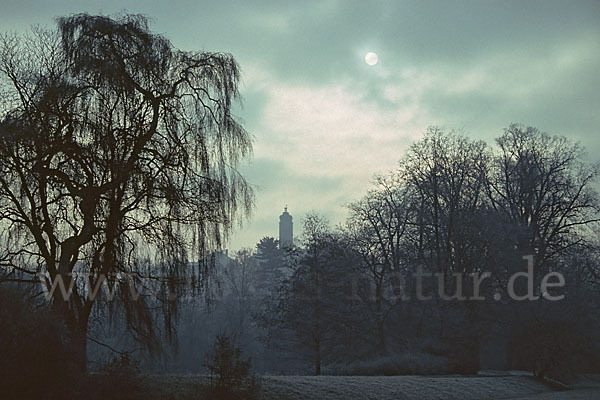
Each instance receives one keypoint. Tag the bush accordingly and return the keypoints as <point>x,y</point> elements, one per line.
<point>553,349</point>
<point>35,357</point>
<point>230,374</point>
<point>119,379</point>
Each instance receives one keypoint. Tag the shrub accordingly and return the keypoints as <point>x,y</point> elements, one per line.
<point>230,374</point>
<point>35,358</point>
<point>36,361</point>
<point>554,349</point>
<point>119,379</point>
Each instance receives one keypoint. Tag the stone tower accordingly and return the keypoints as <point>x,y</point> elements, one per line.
<point>286,229</point>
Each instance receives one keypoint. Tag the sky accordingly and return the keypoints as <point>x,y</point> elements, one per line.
<point>324,121</point>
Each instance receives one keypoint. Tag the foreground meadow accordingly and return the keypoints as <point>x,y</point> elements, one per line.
<point>178,387</point>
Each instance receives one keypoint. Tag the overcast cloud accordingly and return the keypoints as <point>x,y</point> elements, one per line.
<point>324,121</point>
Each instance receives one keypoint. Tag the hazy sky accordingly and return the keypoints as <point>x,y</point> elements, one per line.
<point>324,121</point>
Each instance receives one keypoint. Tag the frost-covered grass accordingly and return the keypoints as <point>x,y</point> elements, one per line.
<point>399,387</point>
<point>184,387</point>
<point>579,394</point>
<point>179,387</point>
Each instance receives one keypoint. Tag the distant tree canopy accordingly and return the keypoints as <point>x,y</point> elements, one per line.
<point>454,208</point>
<point>271,261</point>
<point>118,154</point>
<point>309,313</point>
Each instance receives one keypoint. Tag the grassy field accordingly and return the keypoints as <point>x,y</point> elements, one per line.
<point>179,387</point>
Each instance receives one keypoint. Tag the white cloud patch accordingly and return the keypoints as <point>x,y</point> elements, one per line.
<point>318,146</point>
<point>334,130</point>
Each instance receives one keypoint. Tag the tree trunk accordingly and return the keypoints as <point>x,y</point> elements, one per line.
<point>317,357</point>
<point>79,342</point>
<point>379,317</point>
<point>77,325</point>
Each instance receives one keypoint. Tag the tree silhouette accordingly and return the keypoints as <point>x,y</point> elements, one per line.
<point>311,313</point>
<point>118,158</point>
<point>376,229</point>
<point>542,184</point>
<point>270,264</point>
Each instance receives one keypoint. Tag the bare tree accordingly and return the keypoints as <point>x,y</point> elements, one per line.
<point>542,184</point>
<point>240,283</point>
<point>310,314</point>
<point>118,156</point>
<point>377,230</point>
<point>446,173</point>
<point>542,187</point>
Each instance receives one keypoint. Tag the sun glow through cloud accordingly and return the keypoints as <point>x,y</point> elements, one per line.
<point>371,58</point>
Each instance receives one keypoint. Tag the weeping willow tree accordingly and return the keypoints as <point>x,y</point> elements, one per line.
<point>118,164</point>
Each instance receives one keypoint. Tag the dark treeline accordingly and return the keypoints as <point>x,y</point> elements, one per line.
<point>418,278</point>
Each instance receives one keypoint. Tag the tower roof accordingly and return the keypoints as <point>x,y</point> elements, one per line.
<point>285,212</point>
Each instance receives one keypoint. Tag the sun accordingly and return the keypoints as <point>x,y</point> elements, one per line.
<point>371,58</point>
